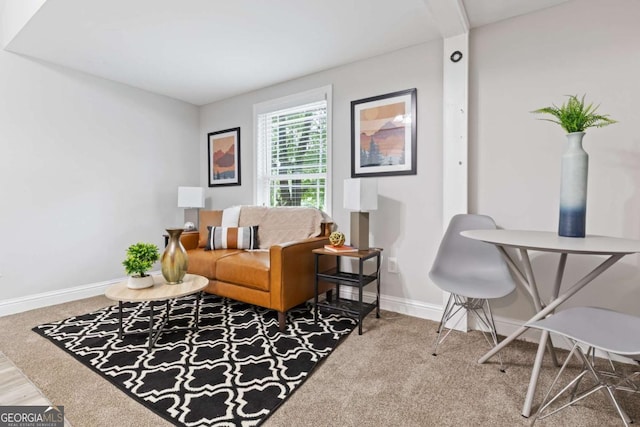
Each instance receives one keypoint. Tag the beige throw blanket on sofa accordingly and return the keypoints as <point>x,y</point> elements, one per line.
<point>281,224</point>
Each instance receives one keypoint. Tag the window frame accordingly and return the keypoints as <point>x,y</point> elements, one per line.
<point>290,101</point>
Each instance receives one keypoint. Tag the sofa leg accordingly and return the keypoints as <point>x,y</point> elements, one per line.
<point>282,320</point>
<point>329,295</point>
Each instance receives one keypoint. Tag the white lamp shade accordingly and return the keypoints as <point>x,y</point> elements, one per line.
<point>190,197</point>
<point>361,194</point>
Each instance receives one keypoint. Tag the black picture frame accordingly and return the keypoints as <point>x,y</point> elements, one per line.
<point>384,135</point>
<point>223,158</point>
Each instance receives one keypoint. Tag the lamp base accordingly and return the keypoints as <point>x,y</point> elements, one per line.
<point>360,230</point>
<point>192,215</point>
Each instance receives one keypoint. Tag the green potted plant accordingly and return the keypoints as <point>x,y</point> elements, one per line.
<point>574,116</point>
<point>139,260</point>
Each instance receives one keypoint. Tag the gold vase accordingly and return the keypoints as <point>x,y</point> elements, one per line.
<point>174,259</point>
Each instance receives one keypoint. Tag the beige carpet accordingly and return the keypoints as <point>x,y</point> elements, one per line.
<point>385,377</point>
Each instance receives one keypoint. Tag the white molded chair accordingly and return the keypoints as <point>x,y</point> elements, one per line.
<point>596,329</point>
<point>473,272</point>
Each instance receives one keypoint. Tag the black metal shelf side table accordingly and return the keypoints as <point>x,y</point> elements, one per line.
<point>359,280</point>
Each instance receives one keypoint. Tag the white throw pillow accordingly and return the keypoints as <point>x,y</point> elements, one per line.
<point>231,216</point>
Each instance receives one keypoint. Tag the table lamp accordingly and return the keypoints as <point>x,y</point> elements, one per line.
<point>360,197</point>
<point>192,199</point>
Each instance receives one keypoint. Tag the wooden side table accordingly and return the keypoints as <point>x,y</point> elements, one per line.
<point>160,291</point>
<point>358,280</point>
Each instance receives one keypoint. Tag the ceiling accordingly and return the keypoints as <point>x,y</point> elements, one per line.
<point>201,51</point>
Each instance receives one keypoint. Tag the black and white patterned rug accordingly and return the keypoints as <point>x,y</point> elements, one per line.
<point>235,370</point>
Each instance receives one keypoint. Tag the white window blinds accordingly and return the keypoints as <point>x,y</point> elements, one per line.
<point>293,156</point>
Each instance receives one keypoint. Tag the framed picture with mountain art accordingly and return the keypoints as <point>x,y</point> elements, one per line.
<point>224,157</point>
<point>383,135</point>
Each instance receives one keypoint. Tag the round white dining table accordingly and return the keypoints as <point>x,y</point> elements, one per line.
<point>545,241</point>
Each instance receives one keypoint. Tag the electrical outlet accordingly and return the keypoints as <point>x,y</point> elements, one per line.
<point>392,267</point>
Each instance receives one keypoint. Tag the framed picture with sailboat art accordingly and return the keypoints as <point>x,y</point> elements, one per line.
<point>224,157</point>
<point>383,135</point>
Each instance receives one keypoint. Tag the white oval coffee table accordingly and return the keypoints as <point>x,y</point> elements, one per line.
<point>160,291</point>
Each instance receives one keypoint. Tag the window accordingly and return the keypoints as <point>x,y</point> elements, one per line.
<point>293,150</point>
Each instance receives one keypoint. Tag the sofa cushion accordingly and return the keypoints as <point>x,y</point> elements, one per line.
<point>232,238</point>
<point>250,269</point>
<point>282,224</point>
<point>204,262</point>
<point>208,219</point>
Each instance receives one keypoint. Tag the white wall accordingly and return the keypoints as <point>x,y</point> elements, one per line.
<point>407,223</point>
<point>518,65</point>
<point>87,167</point>
<point>14,15</point>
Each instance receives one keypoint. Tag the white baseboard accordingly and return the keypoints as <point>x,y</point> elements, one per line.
<point>504,326</point>
<point>409,307</point>
<point>398,305</point>
<point>31,302</point>
<point>45,299</point>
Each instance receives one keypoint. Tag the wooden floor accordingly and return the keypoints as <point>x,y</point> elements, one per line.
<point>16,389</point>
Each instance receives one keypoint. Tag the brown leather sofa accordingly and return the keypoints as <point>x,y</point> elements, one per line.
<point>278,277</point>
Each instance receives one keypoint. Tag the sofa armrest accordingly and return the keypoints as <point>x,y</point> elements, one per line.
<point>190,240</point>
<point>292,272</point>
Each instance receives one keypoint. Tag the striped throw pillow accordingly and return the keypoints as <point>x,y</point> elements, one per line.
<point>232,238</point>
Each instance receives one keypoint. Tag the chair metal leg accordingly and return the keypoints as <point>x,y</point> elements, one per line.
<point>606,388</point>
<point>454,305</point>
<point>545,403</point>
<point>443,320</point>
<point>485,318</point>
<point>575,387</point>
<point>623,415</point>
<point>630,386</point>
<point>447,308</point>
<point>476,306</point>
<point>588,368</point>
<point>440,325</point>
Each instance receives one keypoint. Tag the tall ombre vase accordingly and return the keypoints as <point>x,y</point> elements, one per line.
<point>174,260</point>
<point>573,188</point>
